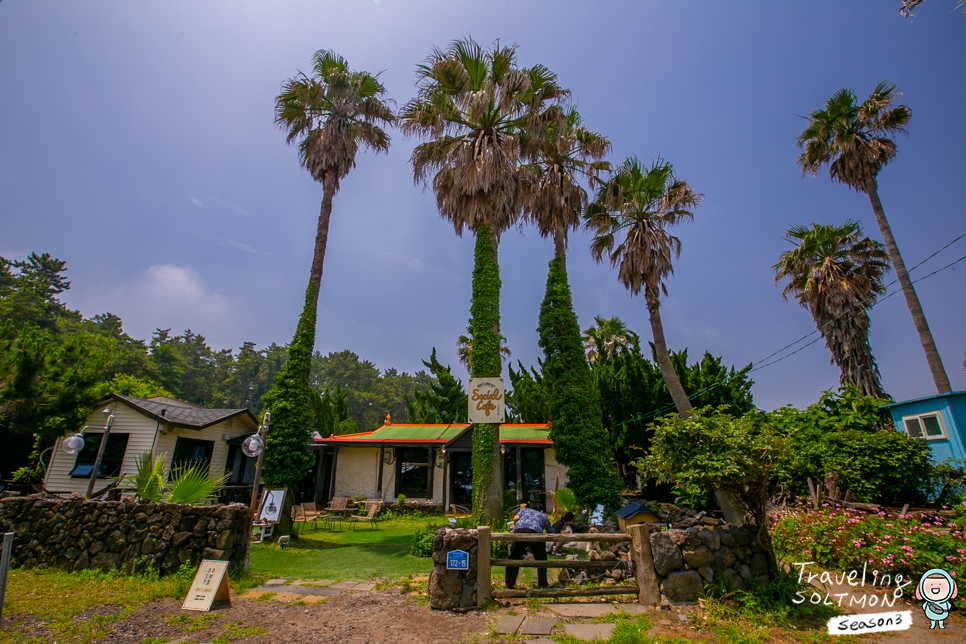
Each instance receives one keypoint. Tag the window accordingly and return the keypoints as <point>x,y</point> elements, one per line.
<point>110,462</point>
<point>413,470</point>
<point>928,426</point>
<point>189,450</point>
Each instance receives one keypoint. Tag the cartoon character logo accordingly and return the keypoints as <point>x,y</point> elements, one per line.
<point>936,590</point>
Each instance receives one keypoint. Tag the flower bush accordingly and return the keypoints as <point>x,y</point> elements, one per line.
<point>844,539</point>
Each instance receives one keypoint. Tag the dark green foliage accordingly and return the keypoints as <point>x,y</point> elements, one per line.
<point>370,395</point>
<point>290,400</point>
<point>443,402</point>
<point>332,413</point>
<point>28,292</point>
<point>574,404</point>
<point>485,309</point>
<point>46,388</point>
<point>528,402</point>
<point>633,393</point>
<point>853,435</point>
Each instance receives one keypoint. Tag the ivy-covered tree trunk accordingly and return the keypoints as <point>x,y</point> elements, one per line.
<point>287,454</point>
<point>485,363</point>
<point>576,426</point>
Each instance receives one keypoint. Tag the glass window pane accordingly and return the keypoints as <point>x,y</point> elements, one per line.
<point>932,426</point>
<point>912,427</point>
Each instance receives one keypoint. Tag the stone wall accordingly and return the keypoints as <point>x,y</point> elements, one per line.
<point>452,589</point>
<point>685,559</point>
<point>76,534</point>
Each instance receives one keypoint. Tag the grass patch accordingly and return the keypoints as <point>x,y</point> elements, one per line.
<point>189,624</point>
<point>352,555</point>
<point>83,606</point>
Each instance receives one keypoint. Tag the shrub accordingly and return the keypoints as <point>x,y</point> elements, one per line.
<point>422,543</point>
<point>844,539</point>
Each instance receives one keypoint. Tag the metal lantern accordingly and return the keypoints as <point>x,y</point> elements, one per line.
<point>73,444</point>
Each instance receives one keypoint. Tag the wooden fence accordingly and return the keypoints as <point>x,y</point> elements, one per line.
<point>645,578</point>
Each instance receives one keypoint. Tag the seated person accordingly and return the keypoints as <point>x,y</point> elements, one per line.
<point>566,524</point>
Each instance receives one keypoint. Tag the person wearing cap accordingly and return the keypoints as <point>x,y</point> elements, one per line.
<point>530,520</point>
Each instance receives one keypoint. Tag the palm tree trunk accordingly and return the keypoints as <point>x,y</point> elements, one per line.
<point>918,317</point>
<point>560,248</point>
<point>680,398</point>
<point>322,233</point>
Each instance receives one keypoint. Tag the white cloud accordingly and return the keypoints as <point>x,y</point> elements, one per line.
<point>216,203</point>
<point>231,243</point>
<point>165,296</point>
<point>419,266</point>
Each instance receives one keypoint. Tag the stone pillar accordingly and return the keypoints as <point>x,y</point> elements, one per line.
<point>453,589</point>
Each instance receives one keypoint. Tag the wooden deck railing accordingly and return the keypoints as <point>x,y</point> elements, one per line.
<point>645,578</point>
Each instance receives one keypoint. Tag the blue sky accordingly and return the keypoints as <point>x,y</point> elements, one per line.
<point>137,143</point>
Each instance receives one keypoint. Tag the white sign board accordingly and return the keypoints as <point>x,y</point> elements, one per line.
<point>486,401</point>
<point>271,508</point>
<point>210,584</point>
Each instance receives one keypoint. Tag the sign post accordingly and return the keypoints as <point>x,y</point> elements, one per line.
<point>485,401</point>
<point>210,585</point>
<point>4,566</point>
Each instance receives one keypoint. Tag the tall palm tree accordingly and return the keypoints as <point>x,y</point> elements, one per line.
<point>464,349</point>
<point>562,151</point>
<point>472,104</point>
<point>836,275</point>
<point>856,141</point>
<point>639,204</point>
<point>329,114</point>
<point>608,336</point>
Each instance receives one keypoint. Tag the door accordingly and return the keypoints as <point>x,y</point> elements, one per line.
<point>461,478</point>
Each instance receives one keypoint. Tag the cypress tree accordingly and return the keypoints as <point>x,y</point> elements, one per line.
<point>291,402</point>
<point>485,363</point>
<point>576,427</point>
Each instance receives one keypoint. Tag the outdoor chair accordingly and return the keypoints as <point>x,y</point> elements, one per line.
<point>107,489</point>
<point>337,504</point>
<point>298,515</point>
<point>459,511</point>
<point>372,508</point>
<point>311,514</point>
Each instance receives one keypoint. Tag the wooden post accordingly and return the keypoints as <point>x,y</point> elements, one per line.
<point>644,573</point>
<point>335,457</point>
<point>318,474</point>
<point>100,453</point>
<point>904,510</point>
<point>382,453</point>
<point>4,566</point>
<point>484,585</point>
<point>519,480</point>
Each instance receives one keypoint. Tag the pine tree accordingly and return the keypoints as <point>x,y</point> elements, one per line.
<point>443,402</point>
<point>576,428</point>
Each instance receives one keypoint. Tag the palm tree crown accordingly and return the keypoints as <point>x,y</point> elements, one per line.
<point>475,103</point>
<point>854,139</point>
<point>562,152</point>
<point>607,336</point>
<point>331,113</point>
<point>836,274</point>
<point>640,204</point>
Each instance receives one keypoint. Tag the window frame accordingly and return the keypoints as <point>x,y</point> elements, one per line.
<point>104,460</point>
<point>922,429</point>
<point>429,464</point>
<point>174,453</point>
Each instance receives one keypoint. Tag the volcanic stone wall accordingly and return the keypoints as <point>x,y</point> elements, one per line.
<point>76,534</point>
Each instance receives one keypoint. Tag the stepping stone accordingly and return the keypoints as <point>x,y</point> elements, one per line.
<point>581,610</point>
<point>276,582</point>
<point>364,586</point>
<point>632,609</point>
<point>286,597</point>
<point>589,631</point>
<point>508,625</point>
<point>254,594</point>
<point>314,590</point>
<point>537,626</point>
<point>345,585</point>
<point>314,599</point>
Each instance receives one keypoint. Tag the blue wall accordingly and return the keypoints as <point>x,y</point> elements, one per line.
<point>951,409</point>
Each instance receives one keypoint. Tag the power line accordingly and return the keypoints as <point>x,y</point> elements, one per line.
<point>756,366</point>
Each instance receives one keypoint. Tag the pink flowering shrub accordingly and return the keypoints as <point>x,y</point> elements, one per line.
<point>844,539</point>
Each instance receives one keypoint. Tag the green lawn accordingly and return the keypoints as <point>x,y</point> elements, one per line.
<point>358,555</point>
